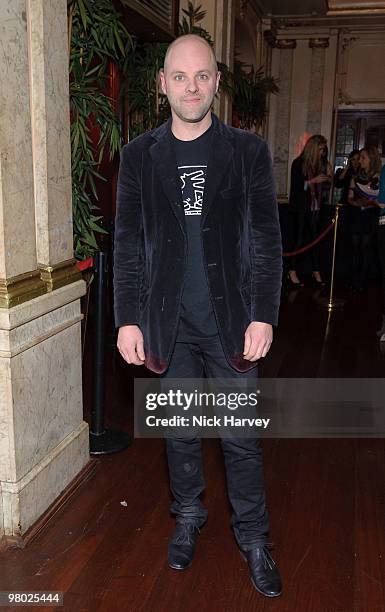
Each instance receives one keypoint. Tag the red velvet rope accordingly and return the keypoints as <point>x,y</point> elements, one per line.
<point>311,244</point>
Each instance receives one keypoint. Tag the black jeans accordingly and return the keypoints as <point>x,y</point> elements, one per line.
<point>243,457</point>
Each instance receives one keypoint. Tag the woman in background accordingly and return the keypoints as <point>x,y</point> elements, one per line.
<point>363,193</point>
<point>343,176</point>
<point>311,176</point>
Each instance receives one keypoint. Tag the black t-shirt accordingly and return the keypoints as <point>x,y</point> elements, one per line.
<point>197,319</point>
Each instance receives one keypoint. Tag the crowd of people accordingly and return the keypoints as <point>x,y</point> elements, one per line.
<point>361,185</point>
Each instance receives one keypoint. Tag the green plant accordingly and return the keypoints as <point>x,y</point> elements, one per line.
<point>97,37</point>
<point>250,89</point>
<point>148,107</point>
<point>191,22</point>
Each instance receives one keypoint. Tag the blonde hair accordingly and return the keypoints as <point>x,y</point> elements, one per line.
<point>374,159</point>
<point>312,162</point>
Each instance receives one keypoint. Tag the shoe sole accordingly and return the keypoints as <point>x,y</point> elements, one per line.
<point>180,569</point>
<point>255,586</point>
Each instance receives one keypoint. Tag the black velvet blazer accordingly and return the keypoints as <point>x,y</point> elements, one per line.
<point>240,233</point>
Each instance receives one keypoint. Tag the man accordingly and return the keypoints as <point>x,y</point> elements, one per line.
<point>197,281</point>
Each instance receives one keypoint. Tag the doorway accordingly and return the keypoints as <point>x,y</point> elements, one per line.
<point>356,129</point>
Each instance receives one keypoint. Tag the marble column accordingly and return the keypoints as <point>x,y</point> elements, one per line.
<point>315,101</point>
<point>282,120</point>
<point>43,438</point>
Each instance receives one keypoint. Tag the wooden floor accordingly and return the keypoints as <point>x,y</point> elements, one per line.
<point>326,501</point>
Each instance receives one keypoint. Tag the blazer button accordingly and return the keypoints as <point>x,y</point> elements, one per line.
<point>219,297</point>
<point>206,229</point>
<point>211,264</point>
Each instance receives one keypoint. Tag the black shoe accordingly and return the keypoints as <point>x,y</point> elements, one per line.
<point>318,283</point>
<point>263,571</point>
<point>292,284</point>
<point>181,547</point>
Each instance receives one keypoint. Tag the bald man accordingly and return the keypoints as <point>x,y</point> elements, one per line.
<point>197,280</point>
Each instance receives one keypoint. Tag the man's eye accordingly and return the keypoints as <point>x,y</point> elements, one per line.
<point>179,77</point>
<point>203,77</point>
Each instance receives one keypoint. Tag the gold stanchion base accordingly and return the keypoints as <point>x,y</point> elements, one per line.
<point>331,304</point>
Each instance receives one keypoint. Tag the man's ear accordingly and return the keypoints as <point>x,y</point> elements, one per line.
<point>162,80</point>
<point>218,79</point>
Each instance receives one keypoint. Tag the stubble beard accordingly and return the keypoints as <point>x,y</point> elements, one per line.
<point>195,115</point>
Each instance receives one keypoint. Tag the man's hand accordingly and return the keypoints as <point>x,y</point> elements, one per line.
<point>258,339</point>
<point>130,344</point>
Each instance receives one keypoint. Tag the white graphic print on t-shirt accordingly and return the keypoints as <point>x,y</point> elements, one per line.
<point>192,185</point>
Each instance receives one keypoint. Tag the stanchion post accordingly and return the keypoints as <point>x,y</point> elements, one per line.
<point>330,306</point>
<point>99,370</point>
<point>102,441</point>
<point>333,303</point>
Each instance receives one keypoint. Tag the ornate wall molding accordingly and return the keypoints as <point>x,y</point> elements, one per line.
<point>359,53</point>
<point>318,43</point>
<point>60,274</point>
<point>279,43</point>
<point>24,287</point>
<point>21,288</point>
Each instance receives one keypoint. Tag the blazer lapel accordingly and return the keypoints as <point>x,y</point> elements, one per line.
<point>219,160</point>
<point>162,153</point>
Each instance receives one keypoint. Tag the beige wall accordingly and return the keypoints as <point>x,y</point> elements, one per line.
<point>361,79</point>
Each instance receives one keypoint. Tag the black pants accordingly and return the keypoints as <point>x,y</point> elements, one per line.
<point>364,227</point>
<point>381,257</point>
<point>243,457</point>
<point>306,229</point>
<point>361,246</point>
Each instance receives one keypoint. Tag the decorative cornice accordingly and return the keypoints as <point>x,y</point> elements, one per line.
<point>318,43</point>
<point>21,288</point>
<point>24,287</point>
<point>279,43</point>
<point>60,274</point>
<point>356,7</point>
<point>344,98</point>
<point>242,9</point>
<point>286,43</point>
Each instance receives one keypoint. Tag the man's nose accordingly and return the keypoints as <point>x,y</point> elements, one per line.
<point>192,86</point>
